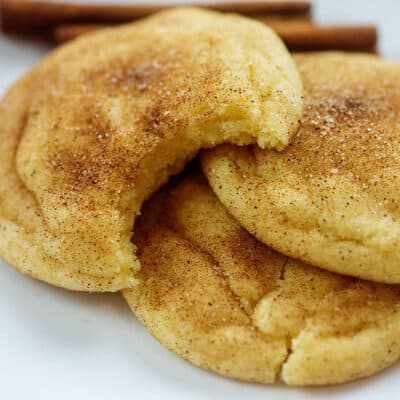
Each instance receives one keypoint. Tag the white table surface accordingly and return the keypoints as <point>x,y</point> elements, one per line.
<point>55,344</point>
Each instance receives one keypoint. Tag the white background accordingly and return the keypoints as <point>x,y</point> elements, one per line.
<point>55,344</point>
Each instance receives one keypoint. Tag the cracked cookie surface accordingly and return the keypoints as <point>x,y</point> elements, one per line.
<point>213,294</point>
<point>331,198</point>
<point>102,122</point>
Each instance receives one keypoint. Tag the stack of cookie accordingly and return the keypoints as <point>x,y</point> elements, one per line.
<point>274,257</point>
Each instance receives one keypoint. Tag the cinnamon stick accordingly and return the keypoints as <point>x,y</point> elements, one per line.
<point>34,15</point>
<point>64,33</point>
<point>298,35</point>
<point>313,37</point>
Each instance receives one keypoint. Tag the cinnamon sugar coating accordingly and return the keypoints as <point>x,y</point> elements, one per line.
<point>102,122</point>
<point>332,197</point>
<point>213,294</point>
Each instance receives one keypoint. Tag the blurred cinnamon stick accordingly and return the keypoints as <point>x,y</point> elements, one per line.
<point>298,35</point>
<point>313,37</point>
<point>36,15</point>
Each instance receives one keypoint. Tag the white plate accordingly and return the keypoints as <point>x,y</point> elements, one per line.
<point>63,345</point>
